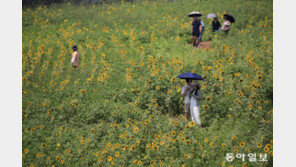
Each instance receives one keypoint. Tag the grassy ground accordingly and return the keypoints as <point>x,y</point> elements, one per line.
<point>123,105</point>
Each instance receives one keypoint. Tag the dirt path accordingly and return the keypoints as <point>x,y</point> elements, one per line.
<point>203,44</point>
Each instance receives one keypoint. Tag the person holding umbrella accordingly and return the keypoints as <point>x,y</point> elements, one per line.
<point>216,24</point>
<point>196,96</point>
<point>186,90</point>
<point>195,28</point>
<point>195,31</point>
<point>228,19</point>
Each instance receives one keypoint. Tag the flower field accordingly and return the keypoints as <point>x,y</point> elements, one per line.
<point>123,105</point>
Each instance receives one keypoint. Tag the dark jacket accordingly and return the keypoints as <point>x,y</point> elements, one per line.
<point>216,25</point>
<point>196,24</point>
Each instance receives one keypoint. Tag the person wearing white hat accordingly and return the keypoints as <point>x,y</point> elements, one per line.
<point>196,96</point>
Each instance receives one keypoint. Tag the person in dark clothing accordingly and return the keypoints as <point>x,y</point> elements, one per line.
<point>216,24</point>
<point>196,29</point>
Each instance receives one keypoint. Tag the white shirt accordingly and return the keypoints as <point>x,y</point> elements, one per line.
<point>187,95</point>
<point>202,24</point>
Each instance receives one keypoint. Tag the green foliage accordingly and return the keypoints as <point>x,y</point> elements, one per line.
<point>123,105</point>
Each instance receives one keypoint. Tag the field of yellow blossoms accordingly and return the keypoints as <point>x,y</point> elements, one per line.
<point>123,105</point>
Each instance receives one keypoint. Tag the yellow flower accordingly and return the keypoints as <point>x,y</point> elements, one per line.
<point>206,139</point>
<point>188,142</point>
<point>242,144</point>
<point>109,158</point>
<point>26,150</point>
<point>43,145</point>
<point>173,132</point>
<point>250,106</point>
<point>58,144</point>
<point>58,158</point>
<point>173,79</point>
<point>117,154</point>
<point>136,129</point>
<point>268,145</point>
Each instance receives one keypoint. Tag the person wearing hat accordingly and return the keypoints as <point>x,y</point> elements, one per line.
<point>75,56</point>
<point>196,96</point>
<point>196,29</point>
<point>186,93</point>
<point>216,25</point>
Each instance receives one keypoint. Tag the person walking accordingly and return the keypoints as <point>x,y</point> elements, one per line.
<point>75,57</point>
<point>201,31</point>
<point>196,28</point>
<point>216,25</point>
<point>186,90</point>
<point>226,25</point>
<point>196,97</point>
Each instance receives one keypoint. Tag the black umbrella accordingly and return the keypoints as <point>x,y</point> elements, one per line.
<point>229,17</point>
<point>193,14</point>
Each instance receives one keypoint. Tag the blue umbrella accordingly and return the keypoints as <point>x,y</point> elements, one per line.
<point>192,76</point>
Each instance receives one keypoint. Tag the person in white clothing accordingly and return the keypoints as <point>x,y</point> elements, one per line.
<point>196,96</point>
<point>186,90</point>
<point>226,25</point>
<point>201,30</point>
